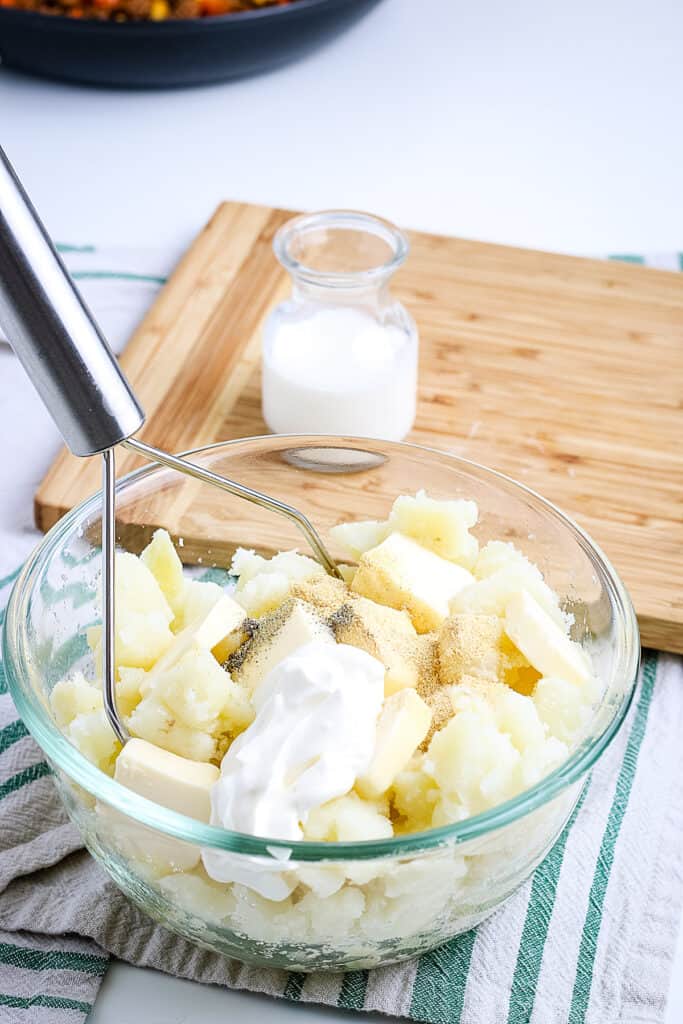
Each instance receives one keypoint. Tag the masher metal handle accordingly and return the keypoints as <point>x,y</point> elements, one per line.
<point>54,334</point>
<point>76,374</point>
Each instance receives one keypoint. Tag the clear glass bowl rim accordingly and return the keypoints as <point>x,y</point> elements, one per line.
<point>357,220</point>
<point>69,760</point>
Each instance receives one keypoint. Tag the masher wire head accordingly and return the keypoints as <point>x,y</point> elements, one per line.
<point>182,465</point>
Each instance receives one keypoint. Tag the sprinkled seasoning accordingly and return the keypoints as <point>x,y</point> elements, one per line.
<point>235,661</point>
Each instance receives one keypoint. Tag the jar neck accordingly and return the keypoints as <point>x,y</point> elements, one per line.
<point>371,294</point>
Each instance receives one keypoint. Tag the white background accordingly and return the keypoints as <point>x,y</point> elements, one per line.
<point>530,123</point>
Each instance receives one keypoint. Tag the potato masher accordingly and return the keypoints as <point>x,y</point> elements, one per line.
<point>63,351</point>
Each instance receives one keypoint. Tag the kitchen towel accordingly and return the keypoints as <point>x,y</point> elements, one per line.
<point>590,937</point>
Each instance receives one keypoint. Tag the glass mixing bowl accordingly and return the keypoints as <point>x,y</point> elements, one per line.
<point>356,904</point>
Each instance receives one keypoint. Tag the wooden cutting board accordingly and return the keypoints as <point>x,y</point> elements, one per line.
<point>566,374</point>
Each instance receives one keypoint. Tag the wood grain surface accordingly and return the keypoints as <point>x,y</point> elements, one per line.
<point>565,373</point>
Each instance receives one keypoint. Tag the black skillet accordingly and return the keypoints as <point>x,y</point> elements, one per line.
<point>190,51</point>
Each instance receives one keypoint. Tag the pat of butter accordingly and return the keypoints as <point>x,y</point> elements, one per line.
<point>400,573</point>
<point>168,779</point>
<point>293,626</point>
<point>172,781</point>
<point>402,725</point>
<point>542,642</point>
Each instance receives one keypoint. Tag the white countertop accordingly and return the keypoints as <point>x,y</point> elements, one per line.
<point>533,124</point>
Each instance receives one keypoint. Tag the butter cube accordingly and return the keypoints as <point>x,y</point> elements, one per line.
<point>291,626</point>
<point>172,781</point>
<point>543,642</point>
<point>402,725</point>
<point>402,574</point>
<point>386,634</point>
<point>167,779</point>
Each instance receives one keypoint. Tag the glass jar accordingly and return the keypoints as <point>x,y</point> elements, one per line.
<point>340,354</point>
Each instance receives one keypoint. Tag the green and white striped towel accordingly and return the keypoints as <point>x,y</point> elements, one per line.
<point>589,938</point>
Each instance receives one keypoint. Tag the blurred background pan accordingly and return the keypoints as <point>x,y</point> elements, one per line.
<point>170,53</point>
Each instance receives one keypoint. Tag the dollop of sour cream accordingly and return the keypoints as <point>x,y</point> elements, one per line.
<point>313,735</point>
